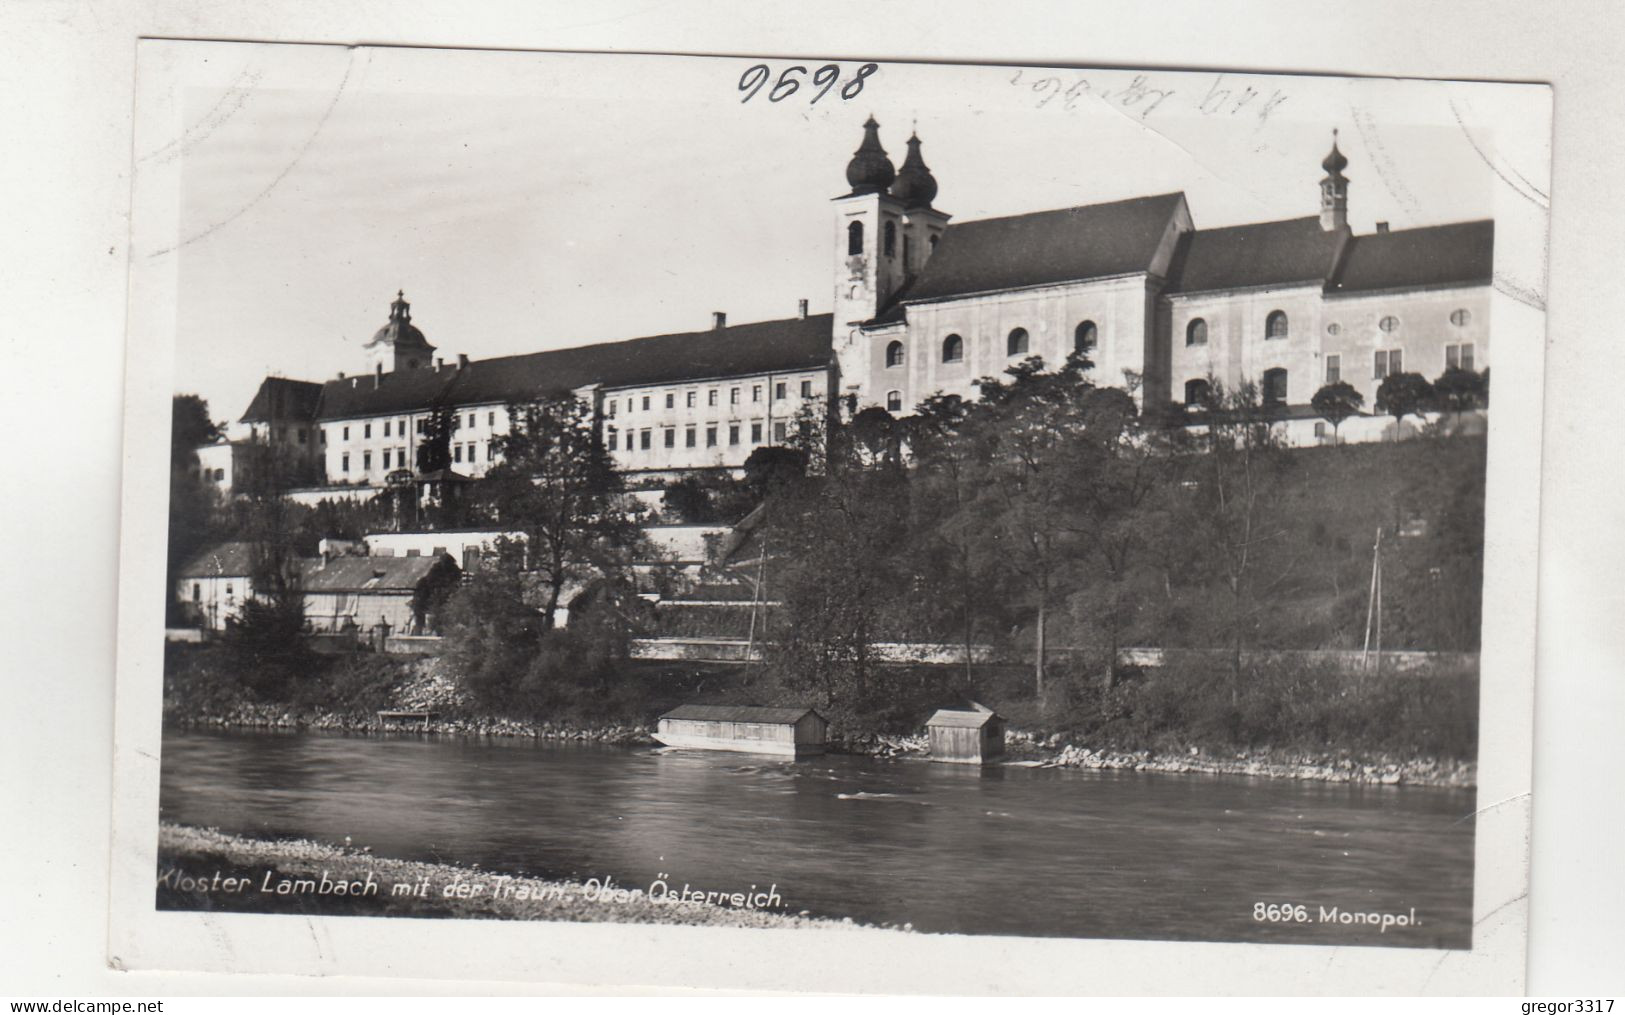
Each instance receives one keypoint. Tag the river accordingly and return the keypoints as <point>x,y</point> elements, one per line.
<point>946,848</point>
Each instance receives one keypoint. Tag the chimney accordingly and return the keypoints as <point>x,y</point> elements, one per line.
<point>341,375</point>
<point>378,377</point>
<point>462,360</point>
<point>440,362</point>
<point>719,320</point>
<point>1382,227</point>
<point>354,381</point>
<point>801,310</point>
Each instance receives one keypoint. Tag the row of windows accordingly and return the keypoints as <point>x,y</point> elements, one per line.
<point>1384,363</point>
<point>1018,343</point>
<point>888,240</point>
<point>469,452</point>
<point>1275,326</point>
<point>397,427</point>
<point>781,391</point>
<point>643,440</point>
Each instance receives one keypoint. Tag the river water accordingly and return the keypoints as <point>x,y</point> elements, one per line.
<point>947,848</point>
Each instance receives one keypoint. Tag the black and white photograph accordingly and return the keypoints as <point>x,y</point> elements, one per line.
<point>899,503</point>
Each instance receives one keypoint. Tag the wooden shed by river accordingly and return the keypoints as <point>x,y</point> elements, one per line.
<point>966,736</point>
<point>793,732</point>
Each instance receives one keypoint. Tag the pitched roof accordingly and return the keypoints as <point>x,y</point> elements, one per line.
<point>759,347</point>
<point>1460,253</point>
<point>371,574</point>
<point>737,713</point>
<point>961,718</point>
<point>1040,248</point>
<point>281,398</point>
<point>222,560</point>
<point>1258,254</point>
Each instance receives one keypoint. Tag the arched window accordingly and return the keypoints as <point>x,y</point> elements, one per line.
<point>894,401</point>
<point>953,349</point>
<point>1085,337</point>
<point>934,240</point>
<point>889,244</point>
<point>894,354</point>
<point>1275,325</point>
<point>1017,344</point>
<point>1196,332</point>
<point>854,239</point>
<point>1197,391</point>
<point>1275,384</point>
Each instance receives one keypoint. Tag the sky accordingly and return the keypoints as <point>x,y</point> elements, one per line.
<point>527,201</point>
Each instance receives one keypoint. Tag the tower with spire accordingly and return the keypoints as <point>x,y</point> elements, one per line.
<point>399,345</point>
<point>1334,190</point>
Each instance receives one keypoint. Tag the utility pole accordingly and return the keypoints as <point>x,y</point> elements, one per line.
<point>1373,610</point>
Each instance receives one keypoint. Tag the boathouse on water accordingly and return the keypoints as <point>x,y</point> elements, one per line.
<point>794,732</point>
<point>966,736</point>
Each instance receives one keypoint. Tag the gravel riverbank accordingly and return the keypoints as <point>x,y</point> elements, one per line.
<point>204,869</point>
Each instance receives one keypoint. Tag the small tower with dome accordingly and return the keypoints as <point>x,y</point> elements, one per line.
<point>1334,190</point>
<point>399,345</point>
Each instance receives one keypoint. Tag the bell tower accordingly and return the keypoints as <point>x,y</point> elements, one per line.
<point>1334,190</point>
<point>868,251</point>
<point>399,345</point>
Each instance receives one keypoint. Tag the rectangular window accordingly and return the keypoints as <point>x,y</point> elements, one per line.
<point>733,396</point>
<point>645,403</point>
<point>614,439</point>
<point>1320,430</point>
<point>366,461</point>
<point>346,433</point>
<point>671,400</point>
<point>711,397</point>
<point>491,451</point>
<point>644,440</point>
<point>1379,368</point>
<point>778,390</point>
<point>671,438</point>
<point>691,397</point>
<point>690,437</point>
<point>491,419</point>
<point>386,428</point>
<point>1394,362</point>
<point>471,421</point>
<point>710,436</point>
<point>1467,356</point>
<point>420,424</point>
<point>733,433</point>
<point>778,433</point>
<point>628,405</point>
<point>344,462</point>
<point>756,392</point>
<point>303,437</point>
<point>806,389</point>
<point>1452,356</point>
<point>609,408</point>
<point>1334,369</point>
<point>756,433</point>
<point>457,453</point>
<point>366,430</point>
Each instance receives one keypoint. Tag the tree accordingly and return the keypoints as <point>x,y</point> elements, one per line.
<point>434,451</point>
<point>945,543</point>
<point>688,500</point>
<point>555,483</point>
<point>190,428</point>
<point>192,499</point>
<point>772,467</point>
<point>1402,395</point>
<point>1458,390</point>
<point>1026,433</point>
<point>1336,402</point>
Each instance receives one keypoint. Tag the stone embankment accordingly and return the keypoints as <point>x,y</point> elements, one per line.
<point>204,869</point>
<point>1041,751</point>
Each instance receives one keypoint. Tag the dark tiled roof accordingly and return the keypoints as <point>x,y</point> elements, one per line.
<point>223,560</point>
<point>737,713</point>
<point>1259,254</point>
<point>1092,241</point>
<point>371,574</point>
<point>1460,253</point>
<point>760,347</point>
<point>280,398</point>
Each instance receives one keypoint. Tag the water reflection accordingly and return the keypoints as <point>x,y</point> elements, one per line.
<point>949,848</point>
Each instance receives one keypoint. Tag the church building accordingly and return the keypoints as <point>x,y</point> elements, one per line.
<point>923,305</point>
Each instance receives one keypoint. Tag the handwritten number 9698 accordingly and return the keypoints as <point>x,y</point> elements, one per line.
<point>791,79</point>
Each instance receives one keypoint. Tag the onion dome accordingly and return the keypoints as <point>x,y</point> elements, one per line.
<point>400,330</point>
<point>870,171</point>
<point>1334,162</point>
<point>915,186</point>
